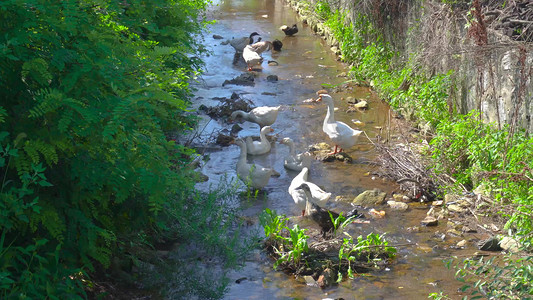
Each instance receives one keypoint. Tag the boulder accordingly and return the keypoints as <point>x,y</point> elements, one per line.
<point>509,244</point>
<point>490,244</point>
<point>370,198</point>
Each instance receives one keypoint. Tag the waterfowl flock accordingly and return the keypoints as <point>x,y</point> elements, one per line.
<point>304,193</point>
<point>257,177</point>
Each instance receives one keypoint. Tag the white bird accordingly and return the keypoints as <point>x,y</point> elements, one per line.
<point>340,133</point>
<point>259,147</point>
<point>251,57</point>
<point>319,196</point>
<point>254,175</point>
<point>262,116</point>
<point>295,161</point>
<point>239,43</point>
<point>261,46</point>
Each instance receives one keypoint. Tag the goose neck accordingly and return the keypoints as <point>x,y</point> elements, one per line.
<point>330,118</point>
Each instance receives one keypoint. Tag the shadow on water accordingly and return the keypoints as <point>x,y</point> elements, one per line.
<point>305,64</point>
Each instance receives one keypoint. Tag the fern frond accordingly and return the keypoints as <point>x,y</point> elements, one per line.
<point>37,69</point>
<point>48,151</point>
<point>49,100</point>
<point>3,114</point>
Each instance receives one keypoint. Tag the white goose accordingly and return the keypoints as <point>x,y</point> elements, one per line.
<point>295,161</point>
<point>320,197</point>
<point>262,116</point>
<point>340,133</point>
<point>251,57</point>
<point>259,147</point>
<point>255,175</point>
<point>239,43</point>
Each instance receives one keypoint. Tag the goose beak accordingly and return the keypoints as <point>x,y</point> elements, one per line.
<point>319,98</point>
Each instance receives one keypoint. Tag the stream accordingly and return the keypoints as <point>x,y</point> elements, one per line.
<point>305,63</point>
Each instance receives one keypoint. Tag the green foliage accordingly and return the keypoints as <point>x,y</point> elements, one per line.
<point>340,222</point>
<point>472,152</point>
<point>477,153</point>
<point>351,251</point>
<point>272,223</point>
<point>506,277</point>
<point>289,243</point>
<point>297,242</point>
<point>322,10</point>
<point>90,91</point>
<point>439,296</point>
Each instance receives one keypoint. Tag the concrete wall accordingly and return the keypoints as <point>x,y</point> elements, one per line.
<point>494,78</point>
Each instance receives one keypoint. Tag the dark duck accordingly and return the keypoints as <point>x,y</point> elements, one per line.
<point>289,30</point>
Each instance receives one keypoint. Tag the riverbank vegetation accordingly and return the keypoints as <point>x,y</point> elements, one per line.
<point>470,153</point>
<point>330,257</point>
<point>93,181</point>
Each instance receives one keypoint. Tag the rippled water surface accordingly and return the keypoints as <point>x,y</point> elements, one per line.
<point>305,64</point>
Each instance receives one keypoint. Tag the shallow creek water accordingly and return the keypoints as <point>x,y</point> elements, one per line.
<point>305,63</point>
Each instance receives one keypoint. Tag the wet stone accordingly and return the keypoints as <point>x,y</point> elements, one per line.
<point>429,221</point>
<point>272,78</point>
<point>370,198</point>
<point>509,244</point>
<point>400,206</point>
<point>326,279</point>
<point>246,79</point>
<point>217,37</point>
<point>490,244</point>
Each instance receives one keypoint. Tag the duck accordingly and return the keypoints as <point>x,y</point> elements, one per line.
<point>262,115</point>
<point>295,161</point>
<point>276,45</point>
<point>259,147</point>
<point>323,216</point>
<point>319,196</point>
<point>261,46</point>
<point>340,133</point>
<point>254,175</point>
<point>289,30</point>
<point>251,57</point>
<point>239,43</point>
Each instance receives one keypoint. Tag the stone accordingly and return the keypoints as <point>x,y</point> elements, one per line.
<point>461,244</point>
<point>246,79</point>
<point>361,104</point>
<point>310,281</point>
<point>429,221</point>
<point>490,244</point>
<point>467,229</point>
<point>450,198</point>
<point>438,203</point>
<point>400,198</point>
<point>217,37</point>
<point>509,244</point>
<point>326,279</point>
<point>370,198</point>
<point>456,208</point>
<point>272,78</point>
<point>335,50</point>
<point>398,205</point>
